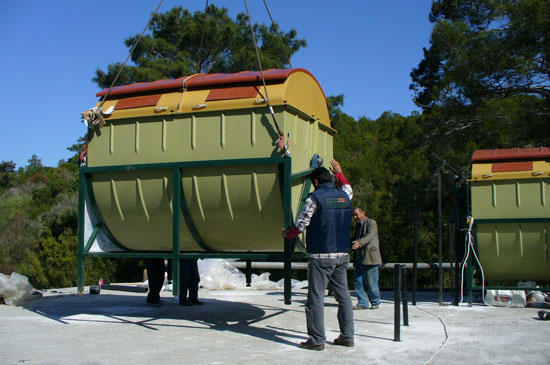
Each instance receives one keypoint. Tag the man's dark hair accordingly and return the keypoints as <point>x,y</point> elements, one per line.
<point>321,174</point>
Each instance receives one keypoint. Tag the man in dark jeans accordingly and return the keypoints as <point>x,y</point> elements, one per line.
<point>189,283</point>
<point>155,275</point>
<point>366,248</point>
<point>327,216</point>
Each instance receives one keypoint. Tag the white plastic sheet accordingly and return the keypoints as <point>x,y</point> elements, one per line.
<point>15,289</point>
<point>220,274</point>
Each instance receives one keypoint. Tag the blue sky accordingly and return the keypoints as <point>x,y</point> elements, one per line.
<point>364,49</point>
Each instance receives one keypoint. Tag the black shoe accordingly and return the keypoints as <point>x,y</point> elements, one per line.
<point>185,303</point>
<point>308,345</point>
<point>341,342</point>
<point>196,302</point>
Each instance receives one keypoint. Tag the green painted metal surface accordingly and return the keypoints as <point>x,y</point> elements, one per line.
<point>227,206</point>
<point>283,165</point>
<point>513,222</point>
<point>511,198</point>
<point>200,173</point>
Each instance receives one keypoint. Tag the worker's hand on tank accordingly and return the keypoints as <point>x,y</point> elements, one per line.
<point>355,245</point>
<point>284,232</point>
<point>335,166</point>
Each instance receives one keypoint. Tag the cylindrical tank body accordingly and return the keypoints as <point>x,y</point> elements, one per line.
<point>205,119</point>
<point>511,208</point>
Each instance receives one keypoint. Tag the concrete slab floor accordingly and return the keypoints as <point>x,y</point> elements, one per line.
<point>255,326</point>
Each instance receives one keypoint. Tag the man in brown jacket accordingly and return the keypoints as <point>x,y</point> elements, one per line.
<point>367,258</point>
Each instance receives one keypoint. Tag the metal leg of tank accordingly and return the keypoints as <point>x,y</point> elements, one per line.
<point>176,232</point>
<point>80,247</point>
<point>83,248</point>
<point>248,272</point>
<point>290,245</point>
<point>284,171</point>
<point>289,249</point>
<point>175,276</point>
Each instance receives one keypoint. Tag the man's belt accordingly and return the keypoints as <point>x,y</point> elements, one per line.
<point>328,255</point>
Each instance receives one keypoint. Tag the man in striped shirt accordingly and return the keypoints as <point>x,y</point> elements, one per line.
<point>327,217</point>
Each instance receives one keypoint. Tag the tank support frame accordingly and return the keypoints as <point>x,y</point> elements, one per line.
<point>287,255</point>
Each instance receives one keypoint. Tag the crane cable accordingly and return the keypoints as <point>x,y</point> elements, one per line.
<point>278,35</point>
<point>202,37</point>
<point>130,54</point>
<point>281,143</point>
<point>94,115</point>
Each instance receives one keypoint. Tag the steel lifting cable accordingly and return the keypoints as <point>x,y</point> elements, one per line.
<point>94,114</point>
<point>202,36</point>
<point>279,132</point>
<point>184,90</point>
<point>278,35</point>
<point>129,55</point>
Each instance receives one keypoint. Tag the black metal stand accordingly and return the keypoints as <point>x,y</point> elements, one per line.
<point>404,295</point>
<point>397,303</point>
<point>248,272</point>
<point>415,250</point>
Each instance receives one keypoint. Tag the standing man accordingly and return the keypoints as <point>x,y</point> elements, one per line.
<point>189,283</point>
<point>155,276</point>
<point>366,260</point>
<point>327,216</point>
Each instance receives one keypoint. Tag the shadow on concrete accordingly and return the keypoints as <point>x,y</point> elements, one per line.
<point>218,315</point>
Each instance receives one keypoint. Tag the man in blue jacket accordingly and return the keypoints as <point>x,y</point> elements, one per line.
<point>327,216</point>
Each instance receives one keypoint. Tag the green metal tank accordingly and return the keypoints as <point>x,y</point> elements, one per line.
<point>511,208</point>
<point>214,132</point>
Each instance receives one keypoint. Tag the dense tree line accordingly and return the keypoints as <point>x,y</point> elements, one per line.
<point>483,84</point>
<point>39,222</point>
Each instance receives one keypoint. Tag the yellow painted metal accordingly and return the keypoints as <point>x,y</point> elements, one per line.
<point>299,90</point>
<point>234,208</point>
<point>483,172</point>
<point>515,243</point>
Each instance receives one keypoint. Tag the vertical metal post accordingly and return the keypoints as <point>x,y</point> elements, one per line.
<point>80,247</point>
<point>287,221</point>
<point>470,277</point>
<point>404,295</point>
<point>470,280</point>
<point>452,244</point>
<point>248,272</point>
<point>397,303</point>
<point>176,212</point>
<point>456,240</point>
<point>415,249</point>
<point>439,236</point>
<point>467,192</point>
<point>458,254</point>
<point>451,258</point>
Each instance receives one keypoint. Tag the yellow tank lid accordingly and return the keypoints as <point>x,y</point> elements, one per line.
<point>511,163</point>
<point>208,92</point>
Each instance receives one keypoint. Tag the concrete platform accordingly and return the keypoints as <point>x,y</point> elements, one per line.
<point>255,326</point>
